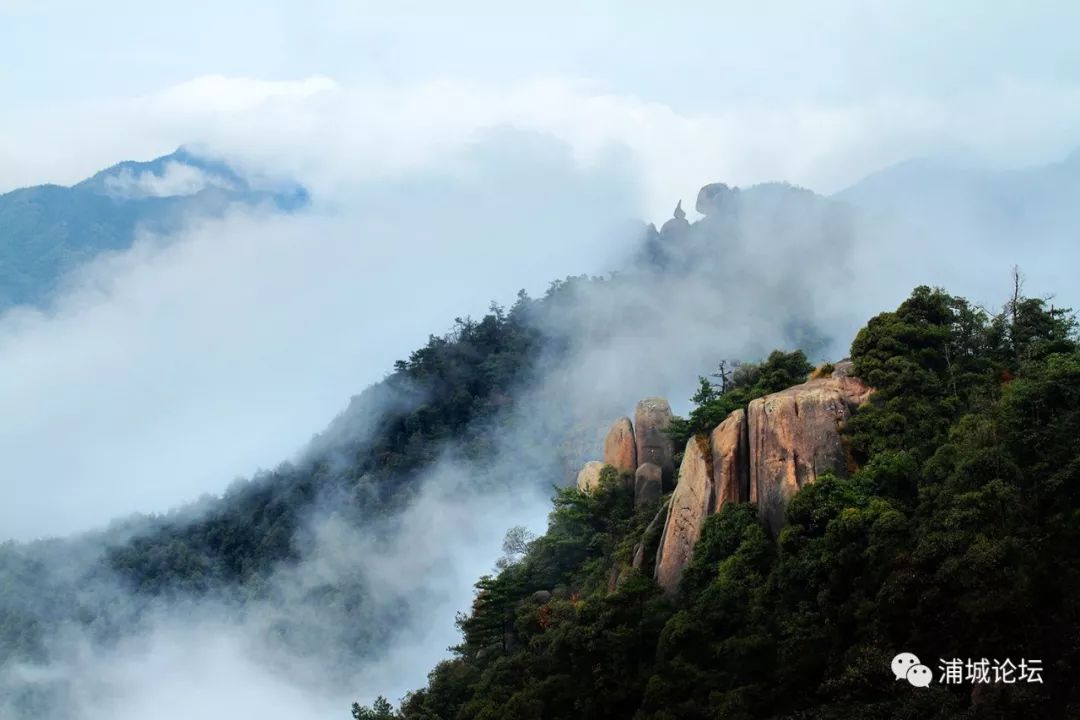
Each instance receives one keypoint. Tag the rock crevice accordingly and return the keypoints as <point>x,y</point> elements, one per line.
<point>763,455</point>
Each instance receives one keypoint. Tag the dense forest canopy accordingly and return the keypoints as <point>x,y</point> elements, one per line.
<point>956,538</point>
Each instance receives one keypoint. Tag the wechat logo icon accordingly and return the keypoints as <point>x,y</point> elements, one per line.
<point>906,666</point>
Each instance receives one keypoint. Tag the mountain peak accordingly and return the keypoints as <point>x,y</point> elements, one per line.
<point>180,173</point>
<point>103,212</point>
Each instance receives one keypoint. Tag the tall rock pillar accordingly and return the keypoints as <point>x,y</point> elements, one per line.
<point>651,418</point>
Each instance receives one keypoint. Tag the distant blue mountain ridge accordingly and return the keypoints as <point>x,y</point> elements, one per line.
<point>48,230</point>
<point>945,200</point>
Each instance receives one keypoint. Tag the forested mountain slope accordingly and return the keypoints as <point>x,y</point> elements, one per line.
<point>955,538</point>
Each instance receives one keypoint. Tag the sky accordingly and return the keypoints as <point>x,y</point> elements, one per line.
<point>816,94</point>
<point>452,159</point>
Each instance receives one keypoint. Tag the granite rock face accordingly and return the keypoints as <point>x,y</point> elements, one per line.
<point>620,447</point>
<point>762,455</point>
<point>690,505</point>
<point>651,418</point>
<point>714,470</point>
<point>730,444</point>
<point>794,436</point>
<point>648,484</point>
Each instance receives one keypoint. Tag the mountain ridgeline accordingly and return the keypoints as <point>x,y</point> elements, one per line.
<point>49,230</point>
<point>765,556</point>
<point>923,497</point>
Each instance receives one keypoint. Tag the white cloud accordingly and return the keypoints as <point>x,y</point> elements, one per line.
<point>185,365</point>
<point>168,370</point>
<point>175,179</point>
<point>180,669</point>
<point>288,655</point>
<point>330,134</point>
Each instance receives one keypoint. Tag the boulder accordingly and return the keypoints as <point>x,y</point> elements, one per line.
<point>731,460</point>
<point>589,477</point>
<point>651,418</point>
<point>648,484</point>
<point>691,503</point>
<point>712,198</point>
<point>794,436</point>
<point>620,448</point>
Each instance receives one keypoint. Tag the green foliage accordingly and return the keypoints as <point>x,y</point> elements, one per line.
<point>381,709</point>
<point>929,361</point>
<point>955,538</point>
<point>737,387</point>
<point>551,630</point>
<point>825,370</point>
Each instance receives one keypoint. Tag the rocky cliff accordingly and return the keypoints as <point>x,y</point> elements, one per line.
<point>763,455</point>
<point>620,448</point>
<point>651,419</point>
<point>691,503</point>
<point>794,436</point>
<point>729,444</point>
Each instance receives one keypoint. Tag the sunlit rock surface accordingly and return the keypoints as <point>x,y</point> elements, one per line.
<point>620,447</point>
<point>651,418</point>
<point>795,437</point>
